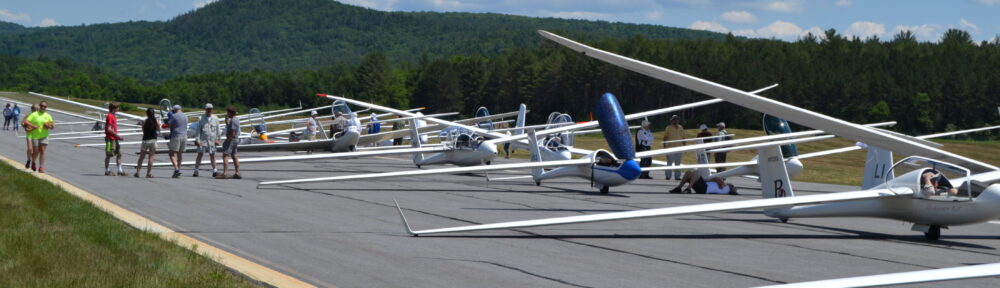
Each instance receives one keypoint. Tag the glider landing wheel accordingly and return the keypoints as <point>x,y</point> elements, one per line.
<point>783,219</point>
<point>353,148</point>
<point>604,190</point>
<point>934,233</point>
<point>418,166</point>
<point>538,183</point>
<point>489,162</point>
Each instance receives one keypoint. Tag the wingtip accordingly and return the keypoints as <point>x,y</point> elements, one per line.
<point>321,95</point>
<point>406,224</point>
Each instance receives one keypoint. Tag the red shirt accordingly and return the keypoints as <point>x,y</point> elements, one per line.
<point>112,124</point>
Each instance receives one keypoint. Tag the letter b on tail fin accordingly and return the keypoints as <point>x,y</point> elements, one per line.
<point>773,173</point>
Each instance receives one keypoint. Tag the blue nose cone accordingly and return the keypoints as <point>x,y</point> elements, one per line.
<point>614,127</point>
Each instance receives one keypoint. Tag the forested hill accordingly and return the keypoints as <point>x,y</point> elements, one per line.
<point>290,35</point>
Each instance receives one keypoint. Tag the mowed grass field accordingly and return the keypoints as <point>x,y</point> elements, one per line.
<point>843,168</point>
<point>49,238</point>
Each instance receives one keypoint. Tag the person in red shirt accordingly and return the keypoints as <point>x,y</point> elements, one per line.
<point>111,141</point>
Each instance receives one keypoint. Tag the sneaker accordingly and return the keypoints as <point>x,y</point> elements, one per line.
<point>687,191</point>
<point>220,176</point>
<point>136,175</point>
<point>675,190</point>
<point>216,174</point>
<point>121,173</point>
<point>108,173</point>
<point>149,175</point>
<point>33,166</point>
<point>732,190</point>
<point>27,164</point>
<point>195,173</point>
<point>177,174</point>
<point>41,170</point>
<point>237,176</point>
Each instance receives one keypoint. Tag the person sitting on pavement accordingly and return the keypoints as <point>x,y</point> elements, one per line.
<point>699,185</point>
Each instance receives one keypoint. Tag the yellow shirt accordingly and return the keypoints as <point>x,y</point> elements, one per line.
<point>38,119</point>
<point>673,132</point>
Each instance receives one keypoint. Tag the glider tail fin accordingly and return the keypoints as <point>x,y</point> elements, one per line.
<point>521,111</point>
<point>773,173</point>
<point>415,140</point>
<point>877,163</point>
<point>536,154</point>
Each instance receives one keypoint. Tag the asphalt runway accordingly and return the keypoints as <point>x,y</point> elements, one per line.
<point>348,234</point>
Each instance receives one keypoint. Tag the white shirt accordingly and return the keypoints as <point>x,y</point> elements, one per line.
<point>644,137</point>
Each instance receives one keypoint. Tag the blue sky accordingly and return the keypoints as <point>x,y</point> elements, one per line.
<point>782,19</point>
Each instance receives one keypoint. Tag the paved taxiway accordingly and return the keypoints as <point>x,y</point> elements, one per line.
<point>348,234</point>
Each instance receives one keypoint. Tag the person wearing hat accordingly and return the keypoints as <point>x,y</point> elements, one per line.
<point>178,138</point>
<point>672,136</point>
<point>643,142</point>
<point>312,126</point>
<point>720,157</point>
<point>207,139</point>
<point>339,124</point>
<point>703,133</point>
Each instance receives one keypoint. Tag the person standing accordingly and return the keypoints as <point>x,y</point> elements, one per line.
<point>339,124</point>
<point>112,141</point>
<point>207,139</point>
<point>229,147</point>
<point>672,136</point>
<point>396,126</point>
<point>701,156</point>
<point>31,150</point>
<point>38,125</point>
<point>178,138</point>
<point>720,157</point>
<point>312,126</point>
<point>374,127</point>
<point>150,130</point>
<point>643,142</point>
<point>6,117</point>
<point>15,115</point>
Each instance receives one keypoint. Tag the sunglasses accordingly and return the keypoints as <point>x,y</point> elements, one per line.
<point>43,106</point>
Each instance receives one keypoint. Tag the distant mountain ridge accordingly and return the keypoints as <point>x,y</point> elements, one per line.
<point>297,34</point>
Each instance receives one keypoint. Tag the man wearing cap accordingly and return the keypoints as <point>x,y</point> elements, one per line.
<point>672,136</point>
<point>312,126</point>
<point>720,157</point>
<point>703,133</point>
<point>207,139</point>
<point>178,138</point>
<point>339,124</point>
<point>643,142</point>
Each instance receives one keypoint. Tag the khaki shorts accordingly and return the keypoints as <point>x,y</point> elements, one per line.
<point>148,146</point>
<point>38,142</point>
<point>177,144</point>
<point>112,148</point>
<point>207,148</point>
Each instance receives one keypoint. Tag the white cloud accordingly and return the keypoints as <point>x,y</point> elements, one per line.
<point>201,3</point>
<point>866,29</point>
<point>48,22</point>
<point>740,17</point>
<point>783,6</point>
<point>925,32</point>
<point>843,3</point>
<point>654,15</point>
<point>585,15</point>
<point>13,17</point>
<point>987,2</point>
<point>709,26</point>
<point>819,33</point>
<point>966,25</point>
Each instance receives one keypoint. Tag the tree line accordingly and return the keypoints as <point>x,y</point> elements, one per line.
<point>926,87</point>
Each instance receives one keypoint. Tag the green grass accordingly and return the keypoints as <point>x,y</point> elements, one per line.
<point>844,168</point>
<point>49,238</point>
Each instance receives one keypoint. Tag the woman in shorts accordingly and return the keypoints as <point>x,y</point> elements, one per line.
<point>150,129</point>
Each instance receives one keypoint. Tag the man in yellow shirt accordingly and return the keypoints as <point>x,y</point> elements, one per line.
<point>672,136</point>
<point>38,125</point>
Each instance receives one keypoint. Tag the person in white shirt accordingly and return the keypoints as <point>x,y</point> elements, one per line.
<point>643,142</point>
<point>311,127</point>
<point>720,157</point>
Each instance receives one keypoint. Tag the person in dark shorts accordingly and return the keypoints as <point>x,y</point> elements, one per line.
<point>698,184</point>
<point>230,146</point>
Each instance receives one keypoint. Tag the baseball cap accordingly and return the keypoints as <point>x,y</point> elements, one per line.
<point>314,113</point>
<point>208,106</point>
<point>703,127</point>
<point>176,107</point>
<point>721,124</point>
